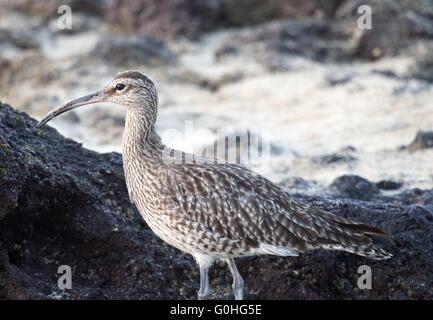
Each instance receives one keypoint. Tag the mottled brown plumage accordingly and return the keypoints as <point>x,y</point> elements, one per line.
<point>214,210</point>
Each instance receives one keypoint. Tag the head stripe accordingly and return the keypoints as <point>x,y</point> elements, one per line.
<point>132,74</point>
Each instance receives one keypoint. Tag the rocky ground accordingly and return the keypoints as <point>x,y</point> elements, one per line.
<point>348,113</point>
<point>63,204</point>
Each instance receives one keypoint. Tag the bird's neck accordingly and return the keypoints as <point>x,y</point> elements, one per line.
<point>140,139</point>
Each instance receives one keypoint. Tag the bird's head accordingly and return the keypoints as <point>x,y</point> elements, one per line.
<point>131,89</point>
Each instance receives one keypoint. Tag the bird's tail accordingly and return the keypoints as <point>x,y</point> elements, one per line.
<point>347,235</point>
<point>371,252</point>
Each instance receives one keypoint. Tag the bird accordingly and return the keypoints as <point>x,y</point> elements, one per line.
<point>212,209</point>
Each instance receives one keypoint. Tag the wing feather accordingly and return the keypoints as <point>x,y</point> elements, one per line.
<point>243,206</point>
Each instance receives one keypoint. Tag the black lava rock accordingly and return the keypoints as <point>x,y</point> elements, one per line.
<point>355,187</point>
<point>334,159</point>
<point>389,185</point>
<point>133,50</point>
<point>423,140</point>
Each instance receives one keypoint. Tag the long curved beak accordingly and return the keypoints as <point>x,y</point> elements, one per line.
<point>96,97</point>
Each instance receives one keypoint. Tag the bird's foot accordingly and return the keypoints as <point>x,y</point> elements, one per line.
<point>204,294</point>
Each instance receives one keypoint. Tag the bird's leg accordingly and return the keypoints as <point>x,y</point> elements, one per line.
<point>204,262</point>
<point>205,289</point>
<point>238,282</point>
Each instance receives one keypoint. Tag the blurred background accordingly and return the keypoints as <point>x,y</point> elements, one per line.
<point>336,99</point>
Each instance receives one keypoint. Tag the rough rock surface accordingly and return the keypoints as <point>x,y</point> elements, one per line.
<point>188,18</point>
<point>355,187</point>
<point>423,140</point>
<point>63,204</point>
<point>130,51</point>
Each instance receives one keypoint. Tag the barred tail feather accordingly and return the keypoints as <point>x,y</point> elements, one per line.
<point>371,252</point>
<point>348,235</point>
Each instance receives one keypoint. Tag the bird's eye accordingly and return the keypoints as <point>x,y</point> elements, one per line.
<point>120,86</point>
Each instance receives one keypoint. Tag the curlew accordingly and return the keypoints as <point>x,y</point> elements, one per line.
<point>213,210</point>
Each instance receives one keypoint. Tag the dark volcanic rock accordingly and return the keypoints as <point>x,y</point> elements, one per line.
<point>401,24</point>
<point>19,39</point>
<point>124,51</point>
<point>62,204</point>
<point>389,185</point>
<point>414,196</point>
<point>334,159</point>
<point>355,187</point>
<point>190,18</point>
<point>398,27</point>
<point>297,183</point>
<point>423,140</point>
